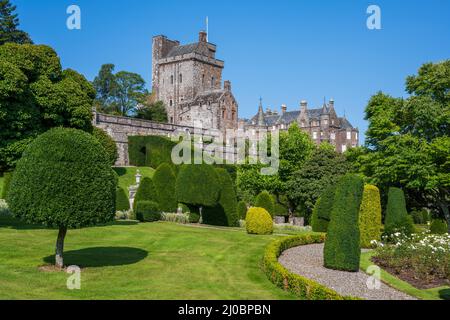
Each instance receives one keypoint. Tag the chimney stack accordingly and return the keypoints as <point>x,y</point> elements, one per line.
<point>283,109</point>
<point>202,36</point>
<point>304,104</point>
<point>331,103</point>
<point>227,85</point>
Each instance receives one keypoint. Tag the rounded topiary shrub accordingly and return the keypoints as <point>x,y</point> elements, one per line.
<point>342,249</point>
<point>147,211</point>
<point>145,192</point>
<point>164,181</point>
<point>397,218</point>
<point>242,209</point>
<point>108,144</point>
<point>438,226</point>
<point>265,200</point>
<point>184,208</point>
<point>194,217</point>
<point>64,180</point>
<point>322,210</point>
<point>7,177</point>
<point>122,202</point>
<point>258,221</point>
<point>370,216</point>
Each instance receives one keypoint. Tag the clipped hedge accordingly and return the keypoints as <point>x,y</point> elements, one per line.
<point>258,221</point>
<point>242,209</point>
<point>265,200</point>
<point>145,192</point>
<point>303,288</point>
<point>7,177</point>
<point>370,216</point>
<point>147,211</point>
<point>107,143</point>
<point>438,226</point>
<point>164,181</point>
<point>322,210</point>
<point>342,247</point>
<point>397,218</point>
<point>122,202</point>
<point>194,217</point>
<point>318,224</point>
<point>149,151</point>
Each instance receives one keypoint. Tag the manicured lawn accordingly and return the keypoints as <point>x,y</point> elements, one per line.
<point>136,261</point>
<point>127,175</point>
<point>429,294</point>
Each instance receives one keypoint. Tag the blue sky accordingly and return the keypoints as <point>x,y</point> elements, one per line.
<point>284,51</point>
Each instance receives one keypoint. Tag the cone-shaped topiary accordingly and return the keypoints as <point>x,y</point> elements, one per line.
<point>242,209</point>
<point>265,200</point>
<point>108,143</point>
<point>397,218</point>
<point>258,221</point>
<point>145,192</point>
<point>370,216</point>
<point>7,176</point>
<point>122,202</point>
<point>164,180</point>
<point>64,180</point>
<point>342,250</point>
<point>438,226</point>
<point>322,210</point>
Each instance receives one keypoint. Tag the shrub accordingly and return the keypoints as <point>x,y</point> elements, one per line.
<point>184,208</point>
<point>242,209</point>
<point>438,226</point>
<point>147,211</point>
<point>4,209</point>
<point>224,213</point>
<point>7,177</point>
<point>122,202</point>
<point>194,217</point>
<point>397,218</point>
<point>258,221</point>
<point>318,224</point>
<point>164,181</point>
<point>145,192</point>
<point>322,210</point>
<point>108,144</point>
<point>149,151</point>
<point>265,200</point>
<point>420,216</point>
<point>280,210</point>
<point>370,216</point>
<point>342,250</point>
<point>57,185</point>
<point>175,217</point>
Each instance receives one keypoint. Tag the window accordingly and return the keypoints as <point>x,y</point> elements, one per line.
<point>314,135</point>
<point>181,78</point>
<point>170,102</point>
<point>203,80</point>
<point>325,122</point>
<point>356,136</point>
<point>171,79</point>
<point>333,136</point>
<point>171,119</point>
<point>344,148</point>
<point>212,82</point>
<point>349,135</point>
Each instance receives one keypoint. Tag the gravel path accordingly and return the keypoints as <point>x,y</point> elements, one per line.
<point>307,261</point>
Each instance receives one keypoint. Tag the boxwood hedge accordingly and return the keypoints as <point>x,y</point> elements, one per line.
<point>164,180</point>
<point>370,216</point>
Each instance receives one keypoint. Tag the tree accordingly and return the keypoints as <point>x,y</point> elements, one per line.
<point>264,200</point>
<point>321,214</point>
<point>258,221</point>
<point>105,85</point>
<point>154,111</point>
<point>36,95</point>
<point>397,218</point>
<point>164,180</point>
<point>325,167</point>
<point>56,185</point>
<point>370,216</point>
<point>145,192</point>
<point>9,24</point>
<point>108,143</point>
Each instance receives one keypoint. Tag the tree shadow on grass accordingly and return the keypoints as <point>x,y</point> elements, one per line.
<point>101,257</point>
<point>444,294</point>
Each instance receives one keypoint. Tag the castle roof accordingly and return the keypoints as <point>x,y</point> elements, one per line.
<point>186,49</point>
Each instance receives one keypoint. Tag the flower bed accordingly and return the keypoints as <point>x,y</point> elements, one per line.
<point>422,260</point>
<point>302,287</point>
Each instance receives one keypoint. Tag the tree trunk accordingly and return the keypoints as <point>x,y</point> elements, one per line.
<point>60,247</point>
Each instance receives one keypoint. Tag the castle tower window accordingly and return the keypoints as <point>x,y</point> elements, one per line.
<point>171,79</point>
<point>212,82</point>
<point>170,102</point>
<point>181,78</point>
<point>333,136</point>
<point>314,135</point>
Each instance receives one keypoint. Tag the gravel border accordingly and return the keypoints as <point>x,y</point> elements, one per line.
<point>307,261</point>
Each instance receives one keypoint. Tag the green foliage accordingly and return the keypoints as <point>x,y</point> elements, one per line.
<point>56,185</point>
<point>150,151</point>
<point>438,226</point>
<point>280,210</point>
<point>152,111</point>
<point>420,216</point>
<point>122,202</point>
<point>321,215</point>
<point>342,248</point>
<point>108,143</point>
<point>7,176</point>
<point>194,217</point>
<point>264,200</point>
<point>370,216</point>
<point>242,209</point>
<point>198,185</point>
<point>36,95</point>
<point>258,221</point>
<point>9,24</point>
<point>302,287</point>
<point>147,211</point>
<point>397,218</point>
<point>164,180</point>
<point>145,192</point>
<point>184,208</point>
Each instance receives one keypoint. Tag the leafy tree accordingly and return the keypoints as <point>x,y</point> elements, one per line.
<point>108,143</point>
<point>264,200</point>
<point>9,24</point>
<point>56,185</point>
<point>105,85</point>
<point>36,95</point>
<point>154,111</point>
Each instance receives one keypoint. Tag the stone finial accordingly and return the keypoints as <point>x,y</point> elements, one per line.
<point>202,36</point>
<point>138,177</point>
<point>261,120</point>
<point>304,104</point>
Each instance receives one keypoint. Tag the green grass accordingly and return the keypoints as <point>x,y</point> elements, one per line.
<point>1,185</point>
<point>127,175</point>
<point>127,260</point>
<point>429,294</point>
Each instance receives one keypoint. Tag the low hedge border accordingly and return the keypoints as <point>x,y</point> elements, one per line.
<point>302,287</point>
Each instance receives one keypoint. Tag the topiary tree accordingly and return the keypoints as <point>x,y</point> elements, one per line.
<point>370,216</point>
<point>7,176</point>
<point>258,221</point>
<point>322,210</point>
<point>265,200</point>
<point>108,143</point>
<point>397,218</point>
<point>242,209</point>
<point>224,213</point>
<point>56,185</point>
<point>342,249</point>
<point>197,186</point>
<point>438,226</point>
<point>122,202</point>
<point>145,192</point>
<point>164,180</point>
<point>147,211</point>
